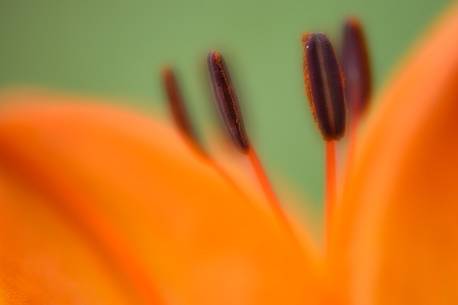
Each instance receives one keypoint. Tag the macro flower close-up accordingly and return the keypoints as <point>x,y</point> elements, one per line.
<point>104,201</point>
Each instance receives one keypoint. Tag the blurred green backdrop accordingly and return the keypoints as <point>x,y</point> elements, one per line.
<point>116,48</point>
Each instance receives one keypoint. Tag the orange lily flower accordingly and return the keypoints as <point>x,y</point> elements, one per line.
<point>101,205</point>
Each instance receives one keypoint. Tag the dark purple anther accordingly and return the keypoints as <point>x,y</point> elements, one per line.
<point>226,100</point>
<point>356,67</point>
<point>324,86</point>
<point>177,106</point>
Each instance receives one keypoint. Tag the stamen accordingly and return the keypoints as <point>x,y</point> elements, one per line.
<point>228,107</point>
<point>323,84</point>
<point>356,68</point>
<point>177,108</point>
<point>358,80</point>
<point>324,88</point>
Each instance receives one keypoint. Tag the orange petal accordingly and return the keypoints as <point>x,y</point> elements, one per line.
<point>172,228</point>
<point>396,238</point>
<point>43,260</point>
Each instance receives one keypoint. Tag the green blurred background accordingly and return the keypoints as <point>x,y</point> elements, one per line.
<point>116,48</point>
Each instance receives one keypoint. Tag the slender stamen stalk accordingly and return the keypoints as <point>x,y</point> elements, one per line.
<point>352,140</point>
<point>330,184</point>
<point>264,181</point>
<point>270,193</point>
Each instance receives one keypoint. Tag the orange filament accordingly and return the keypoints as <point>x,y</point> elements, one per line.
<point>268,190</point>
<point>353,130</point>
<point>330,183</point>
<point>264,181</point>
<point>351,139</point>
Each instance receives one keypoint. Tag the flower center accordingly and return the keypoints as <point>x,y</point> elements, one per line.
<point>331,91</point>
